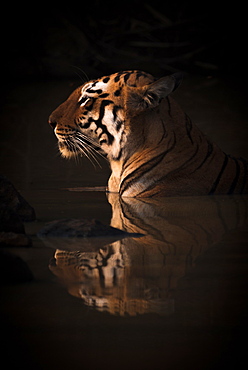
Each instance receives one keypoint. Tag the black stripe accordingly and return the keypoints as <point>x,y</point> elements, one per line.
<point>118,122</point>
<point>216,183</point>
<point>139,172</point>
<point>82,100</point>
<point>116,108</point>
<point>86,123</point>
<point>117,78</point>
<point>144,169</point>
<point>236,179</point>
<point>99,91</point>
<point>94,83</point>
<point>104,95</point>
<point>126,77</point>
<point>173,171</point>
<point>209,152</point>
<point>89,108</point>
<point>98,122</point>
<point>165,133</point>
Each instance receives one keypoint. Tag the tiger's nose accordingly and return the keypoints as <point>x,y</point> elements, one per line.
<point>52,123</point>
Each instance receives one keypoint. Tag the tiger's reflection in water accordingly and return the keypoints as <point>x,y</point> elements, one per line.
<point>140,275</point>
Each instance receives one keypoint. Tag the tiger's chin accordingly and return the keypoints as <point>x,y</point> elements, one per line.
<point>66,152</point>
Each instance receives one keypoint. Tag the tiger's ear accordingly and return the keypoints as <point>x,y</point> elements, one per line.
<point>149,96</point>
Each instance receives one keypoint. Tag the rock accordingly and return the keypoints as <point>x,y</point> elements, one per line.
<point>11,198</point>
<point>14,209</point>
<point>9,239</point>
<point>80,234</point>
<point>10,221</point>
<point>13,269</point>
<point>79,244</point>
<point>78,228</point>
<point>12,231</point>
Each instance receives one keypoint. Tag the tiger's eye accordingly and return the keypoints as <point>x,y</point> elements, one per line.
<point>83,100</point>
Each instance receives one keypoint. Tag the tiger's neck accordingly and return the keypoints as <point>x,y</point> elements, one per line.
<point>152,136</point>
<point>167,155</point>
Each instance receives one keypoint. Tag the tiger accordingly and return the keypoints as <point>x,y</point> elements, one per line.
<point>153,148</point>
<point>139,275</point>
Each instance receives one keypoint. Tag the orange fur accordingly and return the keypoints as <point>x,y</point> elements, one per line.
<point>152,146</point>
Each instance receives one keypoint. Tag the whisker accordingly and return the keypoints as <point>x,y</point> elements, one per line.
<point>78,142</point>
<point>82,149</point>
<point>89,139</point>
<point>84,139</point>
<point>81,146</point>
<point>92,152</point>
<point>85,74</point>
<point>75,152</point>
<point>70,146</point>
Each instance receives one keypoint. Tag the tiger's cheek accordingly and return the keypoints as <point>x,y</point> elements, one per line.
<point>98,131</point>
<point>103,141</point>
<point>108,118</point>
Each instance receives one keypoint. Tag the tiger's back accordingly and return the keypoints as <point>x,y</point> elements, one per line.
<point>153,147</point>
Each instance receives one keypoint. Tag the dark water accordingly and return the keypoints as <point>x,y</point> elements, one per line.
<point>175,298</point>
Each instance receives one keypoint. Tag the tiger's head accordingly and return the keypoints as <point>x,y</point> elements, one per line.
<point>98,116</point>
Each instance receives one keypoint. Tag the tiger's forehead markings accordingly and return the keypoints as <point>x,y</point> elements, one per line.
<point>106,79</point>
<point>92,88</point>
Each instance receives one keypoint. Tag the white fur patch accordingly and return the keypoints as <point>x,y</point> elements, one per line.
<point>86,101</point>
<point>98,86</point>
<point>108,121</point>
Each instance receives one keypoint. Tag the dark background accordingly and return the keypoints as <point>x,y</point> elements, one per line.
<point>49,50</point>
<point>46,54</point>
<point>96,37</point>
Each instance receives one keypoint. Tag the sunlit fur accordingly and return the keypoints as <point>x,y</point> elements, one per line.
<point>78,144</point>
<point>153,147</point>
